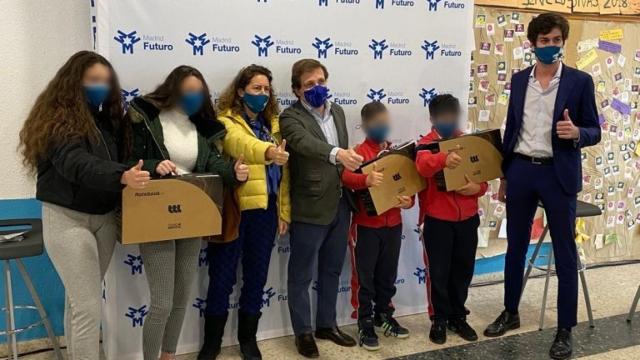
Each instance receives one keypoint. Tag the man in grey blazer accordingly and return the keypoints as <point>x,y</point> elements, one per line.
<point>317,140</point>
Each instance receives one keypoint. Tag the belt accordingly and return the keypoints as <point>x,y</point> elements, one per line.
<point>535,160</point>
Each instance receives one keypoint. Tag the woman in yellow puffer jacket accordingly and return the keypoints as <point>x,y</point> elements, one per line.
<point>249,111</point>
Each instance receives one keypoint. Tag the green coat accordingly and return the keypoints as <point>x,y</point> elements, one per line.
<point>148,142</point>
<point>316,185</point>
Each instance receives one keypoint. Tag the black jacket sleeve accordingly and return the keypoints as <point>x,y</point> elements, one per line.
<point>79,166</point>
<point>225,168</point>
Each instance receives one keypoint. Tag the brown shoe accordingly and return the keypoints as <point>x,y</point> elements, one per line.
<point>334,334</point>
<point>306,346</point>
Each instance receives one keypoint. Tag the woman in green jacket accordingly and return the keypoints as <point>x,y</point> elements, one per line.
<point>175,132</point>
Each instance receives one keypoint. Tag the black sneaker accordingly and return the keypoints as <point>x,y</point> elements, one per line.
<point>367,335</point>
<point>390,325</point>
<point>438,333</point>
<point>463,329</point>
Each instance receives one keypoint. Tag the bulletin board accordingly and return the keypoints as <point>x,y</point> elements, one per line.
<point>610,52</point>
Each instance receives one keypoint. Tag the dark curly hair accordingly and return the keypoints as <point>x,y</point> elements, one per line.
<point>544,23</point>
<point>230,100</point>
<point>61,113</point>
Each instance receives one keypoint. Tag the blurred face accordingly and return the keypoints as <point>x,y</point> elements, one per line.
<point>97,74</point>
<point>446,118</point>
<point>378,120</point>
<point>309,80</point>
<point>259,85</point>
<point>191,84</point>
<point>554,38</point>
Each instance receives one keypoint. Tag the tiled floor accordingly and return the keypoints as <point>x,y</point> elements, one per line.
<point>611,288</point>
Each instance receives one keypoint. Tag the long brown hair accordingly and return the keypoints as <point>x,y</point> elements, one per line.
<point>230,100</point>
<point>61,112</point>
<point>167,95</point>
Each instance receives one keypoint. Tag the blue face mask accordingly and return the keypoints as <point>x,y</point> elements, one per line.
<point>96,93</point>
<point>255,103</point>
<point>378,133</point>
<point>446,130</point>
<point>317,95</point>
<point>549,54</point>
<point>191,102</point>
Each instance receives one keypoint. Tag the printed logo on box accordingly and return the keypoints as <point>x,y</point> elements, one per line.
<point>128,41</point>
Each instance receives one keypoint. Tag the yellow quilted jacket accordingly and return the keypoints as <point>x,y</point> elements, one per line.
<point>240,140</point>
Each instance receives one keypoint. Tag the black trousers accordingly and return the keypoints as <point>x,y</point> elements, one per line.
<point>451,251</point>
<point>377,251</point>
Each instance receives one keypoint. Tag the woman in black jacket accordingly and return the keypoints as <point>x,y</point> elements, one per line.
<point>74,138</point>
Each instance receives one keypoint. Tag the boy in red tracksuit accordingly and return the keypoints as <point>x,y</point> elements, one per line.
<point>450,221</point>
<point>375,240</point>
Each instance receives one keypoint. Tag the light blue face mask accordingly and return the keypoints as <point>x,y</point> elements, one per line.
<point>191,102</point>
<point>549,54</point>
<point>96,93</point>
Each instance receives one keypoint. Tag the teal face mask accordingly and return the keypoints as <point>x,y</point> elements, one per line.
<point>96,93</point>
<point>255,103</point>
<point>191,102</point>
<point>378,133</point>
<point>549,54</point>
<point>446,130</point>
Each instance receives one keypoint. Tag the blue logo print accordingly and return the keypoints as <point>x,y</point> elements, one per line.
<point>430,48</point>
<point>201,305</point>
<point>378,48</point>
<point>322,46</point>
<point>137,315</point>
<point>127,40</point>
<point>135,262</point>
<point>197,42</point>
<point>202,258</point>
<point>128,95</point>
<point>267,295</point>
<point>323,2</point>
<point>379,4</point>
<point>376,95</point>
<point>421,274</point>
<point>433,4</point>
<point>263,44</point>
<point>428,95</point>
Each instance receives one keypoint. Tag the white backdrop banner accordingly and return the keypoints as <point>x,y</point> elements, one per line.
<point>399,52</point>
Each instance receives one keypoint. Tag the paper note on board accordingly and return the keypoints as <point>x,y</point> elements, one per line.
<point>587,59</point>
<point>613,34</point>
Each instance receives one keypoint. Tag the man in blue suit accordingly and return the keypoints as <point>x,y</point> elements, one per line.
<point>552,115</point>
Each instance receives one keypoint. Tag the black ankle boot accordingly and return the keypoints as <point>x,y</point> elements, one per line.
<point>247,329</point>
<point>213,331</point>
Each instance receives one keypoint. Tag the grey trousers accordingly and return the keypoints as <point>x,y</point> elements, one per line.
<point>171,268</point>
<point>80,246</point>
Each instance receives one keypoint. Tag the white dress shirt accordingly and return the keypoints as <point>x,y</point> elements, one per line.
<point>537,120</point>
<point>328,126</point>
<point>180,139</point>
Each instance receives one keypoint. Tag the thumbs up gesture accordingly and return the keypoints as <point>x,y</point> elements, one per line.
<point>374,178</point>
<point>349,158</point>
<point>453,159</point>
<point>135,177</point>
<point>566,129</point>
<point>241,169</point>
<point>278,154</point>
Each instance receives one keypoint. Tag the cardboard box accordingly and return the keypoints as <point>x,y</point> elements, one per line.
<point>400,179</point>
<point>179,207</point>
<point>481,159</point>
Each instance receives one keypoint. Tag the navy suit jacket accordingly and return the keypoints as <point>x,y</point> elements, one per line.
<point>575,93</point>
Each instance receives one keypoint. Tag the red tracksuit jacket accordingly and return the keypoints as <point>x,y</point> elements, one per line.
<point>369,150</point>
<point>442,205</point>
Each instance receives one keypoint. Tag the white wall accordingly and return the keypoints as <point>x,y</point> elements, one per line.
<point>37,38</point>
